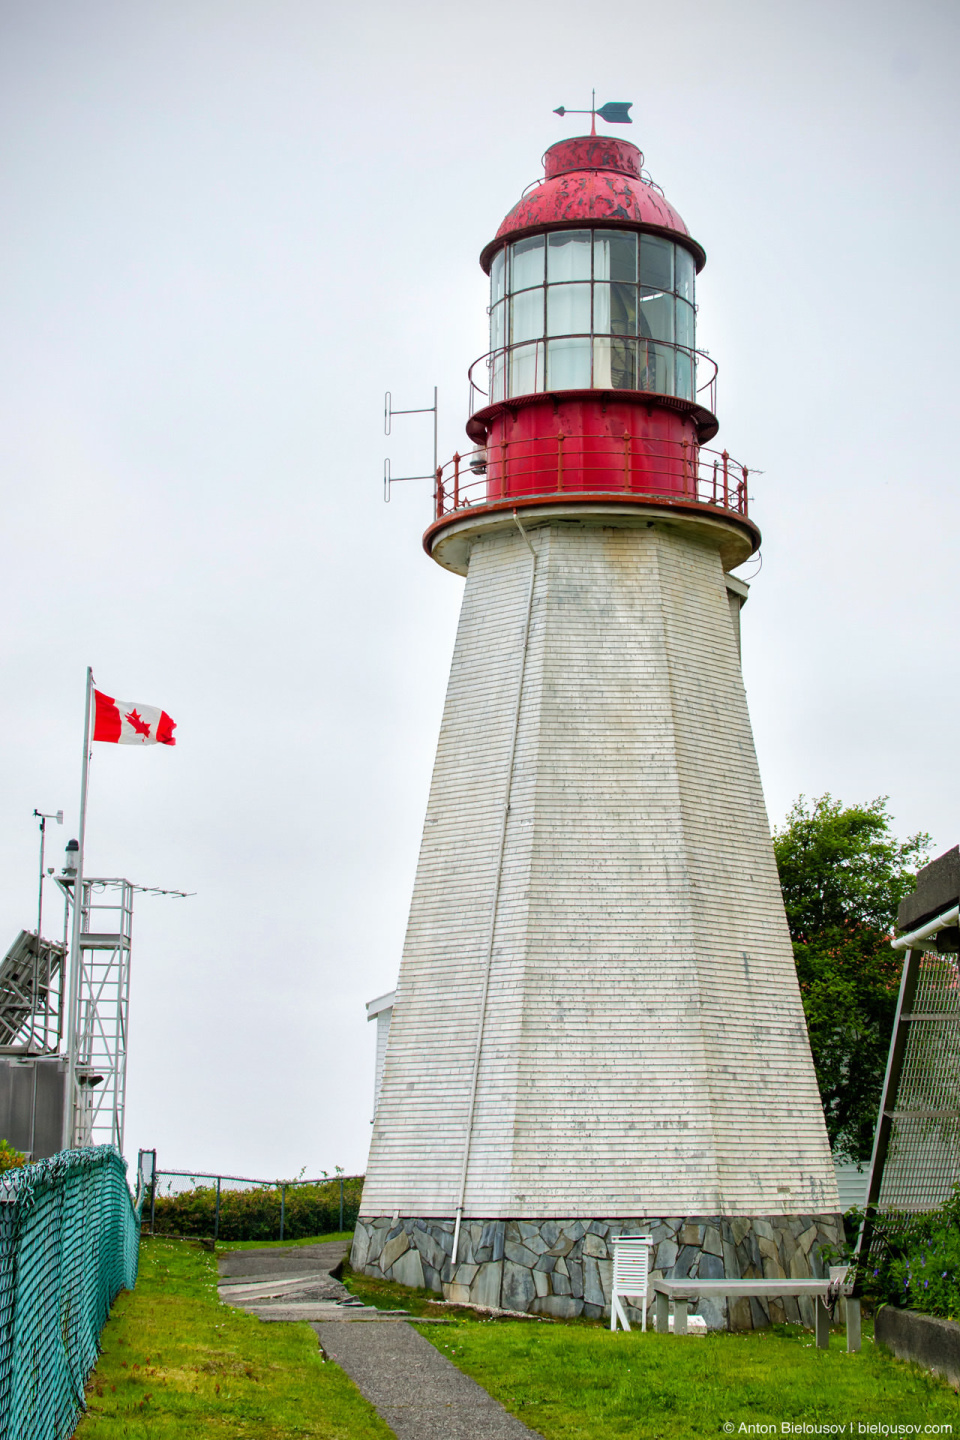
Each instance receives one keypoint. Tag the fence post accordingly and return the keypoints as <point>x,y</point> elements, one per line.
<point>216,1213</point>
<point>341,1204</point>
<point>283,1202</point>
<point>153,1203</point>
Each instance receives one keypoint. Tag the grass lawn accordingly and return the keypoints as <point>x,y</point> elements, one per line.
<point>177,1363</point>
<point>580,1382</point>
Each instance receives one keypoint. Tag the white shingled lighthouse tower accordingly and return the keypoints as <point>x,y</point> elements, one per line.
<point>597,1025</point>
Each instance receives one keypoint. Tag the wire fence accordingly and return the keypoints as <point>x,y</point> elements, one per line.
<point>69,1237</point>
<point>237,1207</point>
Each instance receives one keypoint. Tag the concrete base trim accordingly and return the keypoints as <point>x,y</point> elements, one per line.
<point>925,1339</point>
<point>564,1267</point>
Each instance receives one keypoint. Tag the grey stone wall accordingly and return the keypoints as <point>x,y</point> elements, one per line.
<point>564,1267</point>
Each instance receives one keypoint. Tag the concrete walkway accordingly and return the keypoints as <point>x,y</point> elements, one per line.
<point>418,1392</point>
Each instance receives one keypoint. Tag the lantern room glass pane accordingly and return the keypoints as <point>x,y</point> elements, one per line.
<point>526,315</point>
<point>498,326</point>
<point>498,377</point>
<point>685,324</point>
<point>568,255</point>
<point>656,262</point>
<point>568,309</point>
<point>526,263</point>
<point>656,314</point>
<point>615,255</point>
<point>568,364</point>
<point>684,375</point>
<point>498,276</point>
<point>686,273</point>
<point>655,367</point>
<point>615,364</point>
<point>527,369</point>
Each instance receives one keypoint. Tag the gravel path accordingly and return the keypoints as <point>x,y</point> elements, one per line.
<point>416,1390</point>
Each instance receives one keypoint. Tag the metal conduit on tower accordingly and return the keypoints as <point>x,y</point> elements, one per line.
<point>597,1026</point>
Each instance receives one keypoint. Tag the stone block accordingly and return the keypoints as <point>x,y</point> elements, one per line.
<point>666,1254</point>
<point>518,1288</point>
<point>541,1281</point>
<point>758,1312</point>
<point>593,1312</point>
<point>772,1269</point>
<point>738,1313</point>
<point>691,1235</point>
<point>594,1245</point>
<point>739,1229</point>
<point>575,1271</point>
<point>564,1307</point>
<point>573,1229</point>
<point>432,1253</point>
<point>393,1249</point>
<point>376,1238</point>
<point>560,1266</point>
<point>763,1227</point>
<point>927,1340</point>
<point>431,1278</point>
<point>592,1283</point>
<point>396,1230</point>
<point>799,1265</point>
<point>711,1267</point>
<point>408,1269</point>
<point>527,1230</point>
<point>519,1254</point>
<point>562,1245</point>
<point>768,1248</point>
<point>686,1262</point>
<point>550,1233</point>
<point>806,1239</point>
<point>712,1310</point>
<point>465,1275</point>
<point>360,1249</point>
<point>536,1244</point>
<point>485,1289</point>
<point>597,1227</point>
<point>730,1267</point>
<point>458,1293</point>
<point>545,1263</point>
<point>492,1236</point>
<point>792,1310</point>
<point>560,1284</point>
<point>712,1242</point>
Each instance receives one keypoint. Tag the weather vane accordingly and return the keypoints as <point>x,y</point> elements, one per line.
<point>615,112</point>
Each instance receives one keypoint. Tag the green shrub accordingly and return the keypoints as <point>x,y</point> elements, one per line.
<point>10,1159</point>
<point>915,1261</point>
<point>254,1214</point>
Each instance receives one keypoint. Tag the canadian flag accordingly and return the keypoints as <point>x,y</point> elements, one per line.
<point>121,722</point>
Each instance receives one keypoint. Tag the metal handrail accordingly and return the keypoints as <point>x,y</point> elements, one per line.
<point>697,356</point>
<point>549,465</point>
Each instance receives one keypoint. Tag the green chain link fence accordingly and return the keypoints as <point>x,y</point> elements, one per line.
<point>69,1235</point>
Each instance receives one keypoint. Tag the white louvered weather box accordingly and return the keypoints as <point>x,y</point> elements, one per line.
<point>631,1277</point>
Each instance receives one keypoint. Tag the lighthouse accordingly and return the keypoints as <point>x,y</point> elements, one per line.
<point>597,1028</point>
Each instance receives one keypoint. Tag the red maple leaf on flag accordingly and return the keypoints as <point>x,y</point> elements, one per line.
<point>141,726</point>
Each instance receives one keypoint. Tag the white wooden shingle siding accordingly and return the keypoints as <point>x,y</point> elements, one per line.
<point>644,1050</point>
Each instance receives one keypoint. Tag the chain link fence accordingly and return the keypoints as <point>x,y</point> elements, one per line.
<point>236,1207</point>
<point>69,1237</point>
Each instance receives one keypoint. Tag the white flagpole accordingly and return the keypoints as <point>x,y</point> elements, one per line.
<point>70,1105</point>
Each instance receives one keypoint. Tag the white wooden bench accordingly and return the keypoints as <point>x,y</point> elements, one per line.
<point>631,1277</point>
<point>682,1291</point>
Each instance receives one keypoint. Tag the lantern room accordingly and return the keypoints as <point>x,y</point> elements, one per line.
<point>592,385</point>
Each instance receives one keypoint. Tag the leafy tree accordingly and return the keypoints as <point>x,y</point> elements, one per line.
<point>843,874</point>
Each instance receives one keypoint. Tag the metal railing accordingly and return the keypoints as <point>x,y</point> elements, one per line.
<point>69,1238</point>
<point>238,1207</point>
<point>561,464</point>
<point>658,367</point>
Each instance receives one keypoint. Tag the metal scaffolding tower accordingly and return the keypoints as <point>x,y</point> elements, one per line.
<point>95,1110</point>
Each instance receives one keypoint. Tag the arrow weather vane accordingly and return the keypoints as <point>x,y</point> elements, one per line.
<point>615,112</point>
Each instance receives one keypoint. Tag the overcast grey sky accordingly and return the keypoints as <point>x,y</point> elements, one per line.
<point>228,228</point>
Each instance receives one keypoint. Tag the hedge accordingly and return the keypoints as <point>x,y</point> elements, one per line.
<point>254,1214</point>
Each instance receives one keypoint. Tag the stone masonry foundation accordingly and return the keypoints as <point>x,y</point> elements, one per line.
<point>564,1267</point>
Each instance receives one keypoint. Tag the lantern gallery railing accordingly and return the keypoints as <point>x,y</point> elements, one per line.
<point>605,465</point>
<point>595,362</point>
